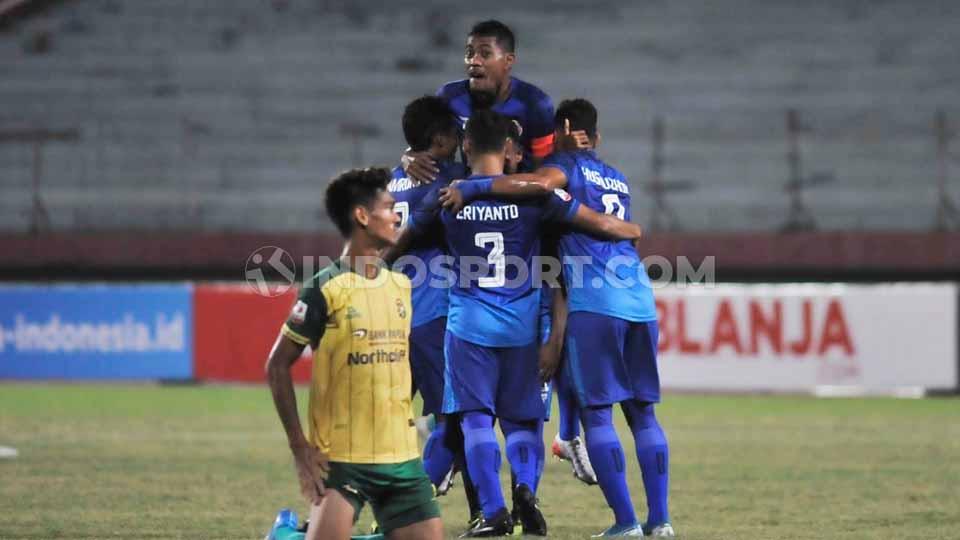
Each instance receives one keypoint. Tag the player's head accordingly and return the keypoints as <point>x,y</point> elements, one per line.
<point>581,115</point>
<point>430,125</point>
<point>489,57</point>
<point>485,135</point>
<point>513,150</point>
<point>358,203</point>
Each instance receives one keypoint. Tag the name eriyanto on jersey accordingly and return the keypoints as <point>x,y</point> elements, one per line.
<point>489,213</point>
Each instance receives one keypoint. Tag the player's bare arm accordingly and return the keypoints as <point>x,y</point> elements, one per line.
<point>526,185</point>
<point>605,225</point>
<point>310,463</point>
<point>551,351</point>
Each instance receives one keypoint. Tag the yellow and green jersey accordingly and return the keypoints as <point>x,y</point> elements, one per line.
<point>360,398</point>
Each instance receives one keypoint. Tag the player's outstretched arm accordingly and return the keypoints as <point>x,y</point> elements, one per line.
<point>605,225</point>
<point>311,464</point>
<point>519,186</point>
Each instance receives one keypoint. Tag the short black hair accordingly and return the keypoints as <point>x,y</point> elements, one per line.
<point>498,30</point>
<point>426,117</point>
<point>581,113</point>
<point>354,188</point>
<point>487,131</point>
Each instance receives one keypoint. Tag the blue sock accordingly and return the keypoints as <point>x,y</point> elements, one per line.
<point>437,458</point>
<point>569,423</point>
<point>654,457</point>
<point>606,455</point>
<point>483,460</point>
<point>522,450</point>
<point>541,449</point>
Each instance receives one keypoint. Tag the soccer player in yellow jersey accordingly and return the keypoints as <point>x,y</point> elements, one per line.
<point>361,446</point>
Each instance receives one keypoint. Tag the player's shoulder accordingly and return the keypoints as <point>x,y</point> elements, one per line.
<point>452,170</point>
<point>399,278</point>
<point>562,160</point>
<point>528,91</point>
<point>400,181</point>
<point>328,276</point>
<point>608,169</point>
<point>454,89</point>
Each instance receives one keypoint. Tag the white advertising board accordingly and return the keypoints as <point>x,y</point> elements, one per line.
<point>800,337</point>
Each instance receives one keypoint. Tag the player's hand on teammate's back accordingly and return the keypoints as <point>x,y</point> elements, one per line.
<point>451,198</point>
<point>312,468</point>
<point>419,166</point>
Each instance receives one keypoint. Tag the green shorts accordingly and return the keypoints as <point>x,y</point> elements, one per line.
<point>399,493</point>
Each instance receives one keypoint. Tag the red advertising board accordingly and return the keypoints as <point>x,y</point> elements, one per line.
<point>234,330</point>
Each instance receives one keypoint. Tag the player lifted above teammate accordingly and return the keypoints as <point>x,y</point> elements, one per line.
<point>489,57</point>
<point>355,315</point>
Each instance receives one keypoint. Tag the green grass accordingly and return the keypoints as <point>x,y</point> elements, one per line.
<point>211,462</point>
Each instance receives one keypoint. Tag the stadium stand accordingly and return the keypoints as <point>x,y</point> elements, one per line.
<point>227,115</point>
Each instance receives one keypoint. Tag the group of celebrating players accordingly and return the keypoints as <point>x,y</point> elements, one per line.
<point>483,343</point>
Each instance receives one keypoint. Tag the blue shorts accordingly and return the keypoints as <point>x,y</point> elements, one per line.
<point>609,360</point>
<point>426,363</point>
<point>504,381</point>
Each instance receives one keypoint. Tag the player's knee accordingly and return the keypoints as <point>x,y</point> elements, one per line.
<point>639,414</point>
<point>477,420</point>
<point>511,426</point>
<point>597,416</point>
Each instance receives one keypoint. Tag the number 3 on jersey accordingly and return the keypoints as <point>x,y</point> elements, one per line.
<point>495,258</point>
<point>612,205</point>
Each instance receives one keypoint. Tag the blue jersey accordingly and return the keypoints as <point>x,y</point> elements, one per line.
<point>429,302</point>
<point>527,104</point>
<point>614,283</point>
<point>497,306</point>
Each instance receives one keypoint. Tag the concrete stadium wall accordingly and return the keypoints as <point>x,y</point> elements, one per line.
<point>226,114</point>
<point>834,256</point>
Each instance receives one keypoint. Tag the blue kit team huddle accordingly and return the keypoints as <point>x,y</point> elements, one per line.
<point>474,346</point>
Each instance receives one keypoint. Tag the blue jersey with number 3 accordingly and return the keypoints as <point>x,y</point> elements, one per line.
<point>493,244</point>
<point>602,276</point>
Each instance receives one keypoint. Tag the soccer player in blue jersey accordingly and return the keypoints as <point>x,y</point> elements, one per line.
<point>489,56</point>
<point>612,332</point>
<point>490,344</point>
<point>428,126</point>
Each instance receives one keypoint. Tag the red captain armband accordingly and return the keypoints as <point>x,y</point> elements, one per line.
<point>542,146</point>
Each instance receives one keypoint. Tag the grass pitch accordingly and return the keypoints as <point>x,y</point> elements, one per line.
<point>125,461</point>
